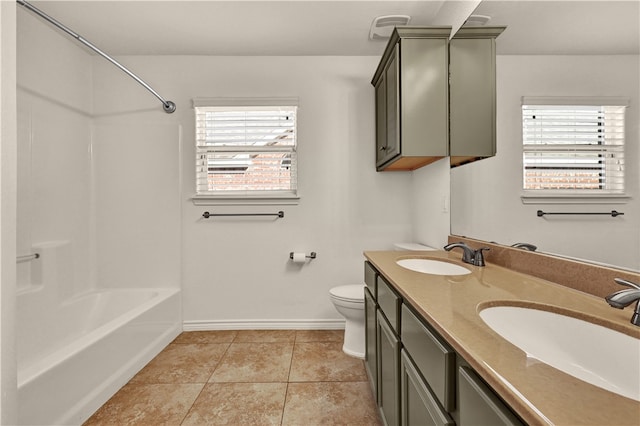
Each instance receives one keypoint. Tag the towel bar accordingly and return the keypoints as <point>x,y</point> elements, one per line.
<point>612,213</point>
<point>207,215</point>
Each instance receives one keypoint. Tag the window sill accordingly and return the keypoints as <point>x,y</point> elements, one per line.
<point>244,200</point>
<point>548,198</point>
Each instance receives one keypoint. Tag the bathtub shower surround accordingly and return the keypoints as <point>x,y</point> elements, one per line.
<point>81,350</point>
<point>104,296</point>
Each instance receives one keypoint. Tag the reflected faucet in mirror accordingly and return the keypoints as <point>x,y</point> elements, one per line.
<point>525,246</point>
<point>623,298</point>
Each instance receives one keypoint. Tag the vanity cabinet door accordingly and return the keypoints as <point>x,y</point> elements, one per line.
<point>478,405</point>
<point>388,373</point>
<point>434,358</point>
<point>418,404</point>
<point>371,341</point>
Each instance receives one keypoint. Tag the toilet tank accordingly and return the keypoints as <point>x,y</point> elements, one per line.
<point>411,246</point>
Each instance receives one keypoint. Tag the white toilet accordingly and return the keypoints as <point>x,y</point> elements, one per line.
<point>349,302</point>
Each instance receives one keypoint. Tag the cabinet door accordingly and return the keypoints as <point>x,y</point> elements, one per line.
<point>418,404</point>
<point>388,373</point>
<point>478,405</point>
<point>434,358</point>
<point>371,341</point>
<point>392,103</point>
<point>472,94</point>
<point>381,120</point>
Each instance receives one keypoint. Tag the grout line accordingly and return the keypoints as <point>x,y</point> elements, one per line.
<point>193,403</point>
<point>284,403</point>
<point>286,393</point>
<point>219,362</point>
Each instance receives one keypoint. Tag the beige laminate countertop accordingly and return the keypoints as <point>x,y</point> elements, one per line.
<point>539,393</point>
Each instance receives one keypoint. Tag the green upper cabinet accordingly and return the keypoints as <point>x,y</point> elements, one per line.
<point>417,106</point>
<point>412,99</point>
<point>472,94</point>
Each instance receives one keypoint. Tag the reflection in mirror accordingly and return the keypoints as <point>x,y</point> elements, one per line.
<point>552,49</point>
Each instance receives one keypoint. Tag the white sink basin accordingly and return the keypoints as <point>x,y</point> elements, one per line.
<point>434,267</point>
<point>592,353</point>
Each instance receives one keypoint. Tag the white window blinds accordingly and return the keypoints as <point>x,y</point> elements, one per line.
<point>573,148</point>
<point>246,150</point>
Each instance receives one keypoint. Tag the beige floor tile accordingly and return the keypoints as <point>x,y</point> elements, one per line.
<point>219,336</point>
<point>254,362</point>
<point>238,404</point>
<point>183,363</point>
<point>265,336</point>
<point>247,382</point>
<point>330,403</point>
<point>319,336</point>
<point>142,404</point>
<point>324,361</point>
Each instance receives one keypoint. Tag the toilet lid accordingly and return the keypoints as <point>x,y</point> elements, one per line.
<point>349,292</point>
<point>412,246</point>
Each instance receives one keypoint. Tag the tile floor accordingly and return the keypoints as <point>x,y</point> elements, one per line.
<point>246,377</point>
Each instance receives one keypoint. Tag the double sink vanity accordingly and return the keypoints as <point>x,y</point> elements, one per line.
<point>449,342</point>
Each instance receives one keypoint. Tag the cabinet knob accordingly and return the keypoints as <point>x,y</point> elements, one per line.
<point>383,148</point>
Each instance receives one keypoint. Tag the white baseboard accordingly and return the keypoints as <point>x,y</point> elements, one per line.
<point>208,325</point>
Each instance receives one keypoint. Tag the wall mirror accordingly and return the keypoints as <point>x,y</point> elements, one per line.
<point>556,48</point>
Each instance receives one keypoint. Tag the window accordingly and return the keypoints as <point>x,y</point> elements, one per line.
<point>573,146</point>
<point>246,149</point>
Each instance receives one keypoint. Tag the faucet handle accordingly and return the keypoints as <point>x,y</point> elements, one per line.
<point>478,257</point>
<point>627,283</point>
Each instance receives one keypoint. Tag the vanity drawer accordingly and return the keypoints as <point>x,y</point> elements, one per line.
<point>418,406</point>
<point>432,356</point>
<point>370,275</point>
<point>479,405</point>
<point>389,303</point>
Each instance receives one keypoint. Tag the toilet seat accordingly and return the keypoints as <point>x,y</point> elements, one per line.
<point>348,293</point>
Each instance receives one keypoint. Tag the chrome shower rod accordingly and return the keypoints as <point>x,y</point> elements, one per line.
<point>168,106</point>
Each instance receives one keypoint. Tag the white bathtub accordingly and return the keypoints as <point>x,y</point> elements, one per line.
<point>74,355</point>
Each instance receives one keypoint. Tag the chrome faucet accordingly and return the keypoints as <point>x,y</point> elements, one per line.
<point>469,255</point>
<point>623,298</point>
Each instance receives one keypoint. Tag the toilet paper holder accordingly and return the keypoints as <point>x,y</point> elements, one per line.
<point>311,255</point>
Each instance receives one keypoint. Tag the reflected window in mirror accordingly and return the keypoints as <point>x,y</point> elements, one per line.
<point>573,146</point>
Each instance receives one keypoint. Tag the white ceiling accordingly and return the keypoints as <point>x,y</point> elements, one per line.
<point>305,27</point>
<point>565,27</point>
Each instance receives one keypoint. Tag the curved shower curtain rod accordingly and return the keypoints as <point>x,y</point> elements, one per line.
<point>168,106</point>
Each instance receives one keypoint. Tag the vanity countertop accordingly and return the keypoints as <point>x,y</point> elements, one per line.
<point>537,392</point>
